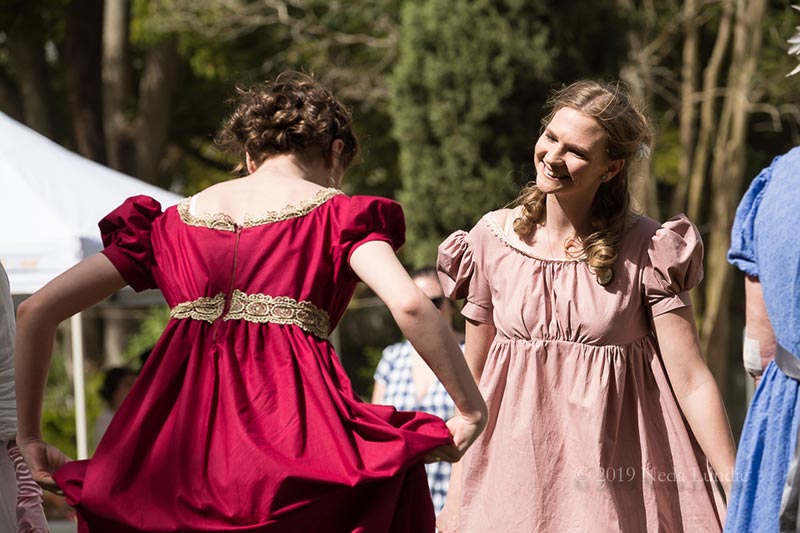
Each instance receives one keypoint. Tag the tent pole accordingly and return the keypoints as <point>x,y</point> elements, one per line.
<point>76,328</point>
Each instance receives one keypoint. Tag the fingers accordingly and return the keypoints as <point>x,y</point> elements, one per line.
<point>448,453</point>
<point>48,483</point>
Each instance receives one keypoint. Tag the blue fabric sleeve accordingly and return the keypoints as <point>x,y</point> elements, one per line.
<point>742,253</point>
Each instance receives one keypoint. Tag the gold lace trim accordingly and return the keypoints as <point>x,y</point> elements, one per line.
<point>206,308</point>
<point>261,308</point>
<point>224,222</point>
<point>258,308</point>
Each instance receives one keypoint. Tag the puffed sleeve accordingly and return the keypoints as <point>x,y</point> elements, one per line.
<point>462,277</point>
<point>674,265</point>
<point>742,253</point>
<point>126,237</point>
<point>370,218</point>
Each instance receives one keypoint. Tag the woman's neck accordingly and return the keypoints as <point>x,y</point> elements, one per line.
<point>567,220</point>
<point>291,166</point>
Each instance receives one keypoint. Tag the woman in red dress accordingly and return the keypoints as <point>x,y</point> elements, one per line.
<point>243,418</point>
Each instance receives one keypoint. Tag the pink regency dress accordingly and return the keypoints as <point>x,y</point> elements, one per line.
<point>243,418</point>
<point>584,433</point>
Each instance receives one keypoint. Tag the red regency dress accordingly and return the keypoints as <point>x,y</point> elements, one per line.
<point>243,418</point>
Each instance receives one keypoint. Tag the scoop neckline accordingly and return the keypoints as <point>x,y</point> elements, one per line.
<point>224,222</point>
<point>500,234</point>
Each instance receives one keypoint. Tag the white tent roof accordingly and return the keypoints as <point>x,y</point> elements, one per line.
<point>51,200</point>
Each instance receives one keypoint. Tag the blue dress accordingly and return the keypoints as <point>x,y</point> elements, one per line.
<point>764,245</point>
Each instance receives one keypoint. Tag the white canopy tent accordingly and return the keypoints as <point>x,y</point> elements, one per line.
<point>51,200</point>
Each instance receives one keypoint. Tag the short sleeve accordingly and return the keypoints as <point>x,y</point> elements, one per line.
<point>370,218</point>
<point>462,277</point>
<point>742,253</point>
<point>674,265</point>
<point>126,236</point>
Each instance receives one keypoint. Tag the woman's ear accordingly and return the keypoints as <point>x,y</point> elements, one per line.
<point>613,168</point>
<point>251,165</point>
<point>337,147</point>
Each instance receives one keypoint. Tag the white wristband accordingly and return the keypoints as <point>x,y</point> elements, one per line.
<point>751,356</point>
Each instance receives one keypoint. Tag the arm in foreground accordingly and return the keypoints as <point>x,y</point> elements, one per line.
<point>377,265</point>
<point>80,287</point>
<point>696,390</point>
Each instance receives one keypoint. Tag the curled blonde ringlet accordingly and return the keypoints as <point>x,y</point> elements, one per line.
<point>292,114</point>
<point>628,136</point>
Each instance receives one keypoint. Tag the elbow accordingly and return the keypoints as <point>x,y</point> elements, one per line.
<point>27,310</point>
<point>32,309</point>
<point>410,305</point>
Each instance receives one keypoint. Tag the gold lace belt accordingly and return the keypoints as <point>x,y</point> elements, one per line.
<point>258,308</point>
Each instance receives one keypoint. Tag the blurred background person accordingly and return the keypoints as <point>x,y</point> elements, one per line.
<point>403,380</point>
<point>116,384</point>
<point>20,496</point>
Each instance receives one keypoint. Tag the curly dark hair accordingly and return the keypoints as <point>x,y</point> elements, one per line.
<point>294,114</point>
<point>628,137</point>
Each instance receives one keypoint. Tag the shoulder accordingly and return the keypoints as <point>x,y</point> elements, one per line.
<point>342,199</point>
<point>492,224</point>
<point>786,164</point>
<point>643,229</point>
<point>361,209</point>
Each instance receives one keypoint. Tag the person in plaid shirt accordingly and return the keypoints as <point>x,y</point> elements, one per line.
<point>403,380</point>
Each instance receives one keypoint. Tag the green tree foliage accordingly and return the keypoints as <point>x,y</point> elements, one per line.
<point>464,92</point>
<point>467,96</point>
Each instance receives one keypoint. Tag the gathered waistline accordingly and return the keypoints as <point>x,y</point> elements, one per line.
<point>258,308</point>
<point>502,339</point>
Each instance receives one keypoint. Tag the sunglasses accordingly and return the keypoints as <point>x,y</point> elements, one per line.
<point>438,301</point>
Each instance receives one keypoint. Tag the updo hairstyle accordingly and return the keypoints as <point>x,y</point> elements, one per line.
<point>628,137</point>
<point>294,114</point>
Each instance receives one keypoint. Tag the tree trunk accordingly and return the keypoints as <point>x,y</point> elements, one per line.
<point>727,177</point>
<point>82,62</point>
<point>10,100</point>
<point>638,74</point>
<point>27,55</point>
<point>687,117</point>
<point>117,85</point>
<point>156,93</point>
<point>708,122</point>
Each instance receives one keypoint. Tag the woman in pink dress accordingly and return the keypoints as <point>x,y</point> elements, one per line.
<point>602,412</point>
<point>242,418</point>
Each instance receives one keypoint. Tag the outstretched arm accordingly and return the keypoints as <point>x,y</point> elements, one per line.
<point>377,266</point>
<point>80,287</point>
<point>696,390</point>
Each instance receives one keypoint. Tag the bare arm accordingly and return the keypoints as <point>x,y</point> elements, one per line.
<point>696,390</point>
<point>80,287</point>
<point>377,266</point>
<point>759,328</point>
<point>478,339</point>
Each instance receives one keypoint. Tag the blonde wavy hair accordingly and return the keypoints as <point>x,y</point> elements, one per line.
<point>628,137</point>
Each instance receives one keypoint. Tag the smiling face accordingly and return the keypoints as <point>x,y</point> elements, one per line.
<point>570,156</point>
